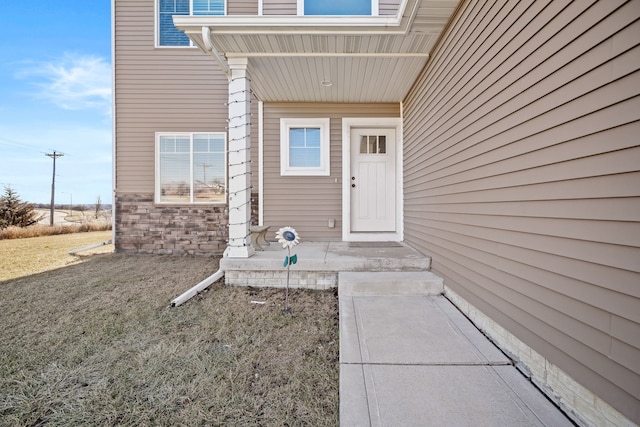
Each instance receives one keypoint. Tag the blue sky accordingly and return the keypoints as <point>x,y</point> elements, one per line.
<point>55,94</point>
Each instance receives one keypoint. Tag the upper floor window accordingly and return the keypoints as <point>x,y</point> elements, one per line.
<point>343,7</point>
<point>208,7</point>
<point>168,34</point>
<point>191,168</point>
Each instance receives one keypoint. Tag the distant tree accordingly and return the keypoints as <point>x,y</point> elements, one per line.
<point>98,207</point>
<point>14,211</point>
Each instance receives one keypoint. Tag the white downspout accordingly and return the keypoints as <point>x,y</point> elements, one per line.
<point>197,289</point>
<point>206,37</point>
<point>186,296</point>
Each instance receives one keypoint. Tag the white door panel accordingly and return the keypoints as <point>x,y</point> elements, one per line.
<point>373,176</point>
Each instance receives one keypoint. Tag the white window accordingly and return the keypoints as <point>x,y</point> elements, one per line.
<point>342,7</point>
<point>304,147</point>
<point>191,168</point>
<point>168,34</point>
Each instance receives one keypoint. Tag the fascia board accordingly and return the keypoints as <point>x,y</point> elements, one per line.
<point>291,24</point>
<point>294,24</point>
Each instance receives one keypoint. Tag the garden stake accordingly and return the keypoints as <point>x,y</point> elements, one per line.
<point>289,238</point>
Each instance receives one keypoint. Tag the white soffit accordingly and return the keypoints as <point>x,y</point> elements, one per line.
<point>353,78</point>
<point>366,59</point>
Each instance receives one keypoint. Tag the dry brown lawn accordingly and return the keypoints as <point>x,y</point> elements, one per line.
<point>93,342</point>
<point>21,257</point>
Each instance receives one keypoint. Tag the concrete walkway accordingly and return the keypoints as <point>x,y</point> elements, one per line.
<point>415,360</point>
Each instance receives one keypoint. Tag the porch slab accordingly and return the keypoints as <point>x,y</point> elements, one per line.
<point>319,264</point>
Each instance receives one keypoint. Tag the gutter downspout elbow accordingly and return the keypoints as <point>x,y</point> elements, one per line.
<point>206,37</point>
<point>186,296</point>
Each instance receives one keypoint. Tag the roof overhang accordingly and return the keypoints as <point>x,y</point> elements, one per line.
<point>326,58</point>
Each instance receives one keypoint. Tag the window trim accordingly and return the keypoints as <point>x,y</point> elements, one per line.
<point>325,146</point>
<point>156,24</point>
<point>375,8</point>
<point>157,189</point>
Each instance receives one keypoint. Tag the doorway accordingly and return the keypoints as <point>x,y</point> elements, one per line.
<point>372,180</point>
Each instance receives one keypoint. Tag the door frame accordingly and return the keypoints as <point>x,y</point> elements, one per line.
<point>348,123</point>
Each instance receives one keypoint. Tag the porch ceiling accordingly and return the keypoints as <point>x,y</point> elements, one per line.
<point>359,59</point>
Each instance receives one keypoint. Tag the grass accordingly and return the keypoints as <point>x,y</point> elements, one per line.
<point>39,230</point>
<point>95,344</point>
<point>22,257</point>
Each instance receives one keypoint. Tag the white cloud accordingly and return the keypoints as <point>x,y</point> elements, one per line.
<point>74,82</point>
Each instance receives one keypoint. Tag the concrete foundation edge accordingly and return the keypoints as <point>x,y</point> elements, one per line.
<point>583,406</point>
<point>318,280</point>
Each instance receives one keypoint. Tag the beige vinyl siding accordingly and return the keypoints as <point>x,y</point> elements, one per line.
<point>158,90</point>
<point>388,7</point>
<point>307,202</point>
<point>242,7</point>
<point>522,179</point>
<point>279,7</point>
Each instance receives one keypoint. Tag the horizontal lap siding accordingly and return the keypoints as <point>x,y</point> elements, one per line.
<point>307,202</point>
<point>158,90</point>
<point>388,7</point>
<point>279,7</point>
<point>522,179</point>
<point>242,7</point>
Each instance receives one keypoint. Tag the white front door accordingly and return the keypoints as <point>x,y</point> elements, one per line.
<point>373,180</point>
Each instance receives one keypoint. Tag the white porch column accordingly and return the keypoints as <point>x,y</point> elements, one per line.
<point>240,245</point>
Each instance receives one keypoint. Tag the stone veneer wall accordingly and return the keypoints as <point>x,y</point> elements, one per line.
<point>141,226</point>
<point>144,227</point>
<point>255,211</point>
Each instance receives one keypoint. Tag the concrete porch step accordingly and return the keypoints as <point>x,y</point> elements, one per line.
<point>332,256</point>
<point>389,283</point>
<point>319,264</point>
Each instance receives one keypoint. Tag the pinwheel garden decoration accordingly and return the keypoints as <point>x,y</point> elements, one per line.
<point>288,237</point>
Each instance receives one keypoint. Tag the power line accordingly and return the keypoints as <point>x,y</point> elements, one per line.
<point>17,144</point>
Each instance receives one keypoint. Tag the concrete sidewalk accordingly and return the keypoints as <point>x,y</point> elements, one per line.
<point>415,360</point>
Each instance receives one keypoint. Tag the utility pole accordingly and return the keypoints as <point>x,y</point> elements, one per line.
<point>54,156</point>
<point>204,171</point>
